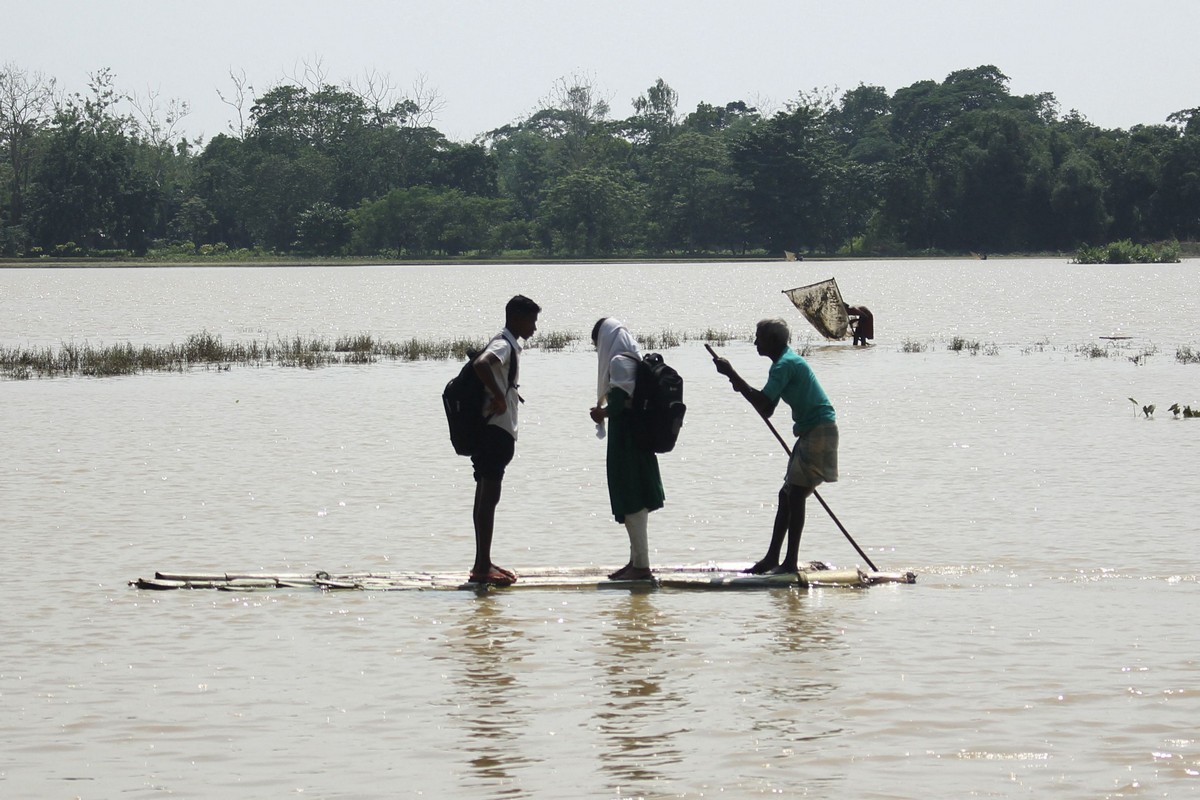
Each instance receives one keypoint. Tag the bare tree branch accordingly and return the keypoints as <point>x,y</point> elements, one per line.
<point>158,125</point>
<point>242,93</point>
<point>376,90</point>
<point>310,74</point>
<point>426,100</point>
<point>27,99</point>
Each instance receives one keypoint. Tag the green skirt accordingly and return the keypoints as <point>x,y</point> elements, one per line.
<point>634,481</point>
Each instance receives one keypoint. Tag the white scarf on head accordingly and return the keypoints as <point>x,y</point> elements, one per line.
<point>613,343</point>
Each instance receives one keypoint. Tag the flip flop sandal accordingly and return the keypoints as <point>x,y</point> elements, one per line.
<point>493,578</point>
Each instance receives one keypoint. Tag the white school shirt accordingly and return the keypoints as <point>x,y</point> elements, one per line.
<point>504,346</point>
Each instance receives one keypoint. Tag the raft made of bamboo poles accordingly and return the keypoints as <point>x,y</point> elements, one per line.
<point>709,575</point>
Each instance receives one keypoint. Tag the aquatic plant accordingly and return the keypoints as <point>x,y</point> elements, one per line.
<point>362,343</point>
<point>1093,350</point>
<point>1180,412</point>
<point>210,351</point>
<point>958,344</point>
<point>1038,347</point>
<point>204,346</point>
<point>715,337</point>
<point>428,349</point>
<point>1147,410</point>
<point>665,339</point>
<point>555,340</point>
<point>1186,355</point>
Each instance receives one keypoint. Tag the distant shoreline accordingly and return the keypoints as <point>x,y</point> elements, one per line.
<point>90,263</point>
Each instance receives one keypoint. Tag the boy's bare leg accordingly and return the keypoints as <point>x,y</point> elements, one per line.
<point>487,497</point>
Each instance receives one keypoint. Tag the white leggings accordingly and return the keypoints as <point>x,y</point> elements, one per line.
<point>639,545</point>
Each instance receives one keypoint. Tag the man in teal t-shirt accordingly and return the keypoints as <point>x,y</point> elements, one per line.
<point>814,423</point>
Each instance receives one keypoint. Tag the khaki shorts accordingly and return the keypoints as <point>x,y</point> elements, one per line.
<point>814,458</point>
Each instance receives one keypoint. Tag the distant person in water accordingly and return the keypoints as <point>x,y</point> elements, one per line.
<point>634,483</point>
<point>498,442</point>
<point>814,423</point>
<point>862,323</point>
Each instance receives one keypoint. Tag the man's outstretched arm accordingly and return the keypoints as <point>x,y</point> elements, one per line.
<point>762,404</point>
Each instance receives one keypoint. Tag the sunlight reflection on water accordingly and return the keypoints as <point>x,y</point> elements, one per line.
<point>1045,648</point>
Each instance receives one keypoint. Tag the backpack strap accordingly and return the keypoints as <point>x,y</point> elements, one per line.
<point>513,369</point>
<point>636,359</point>
<point>512,375</point>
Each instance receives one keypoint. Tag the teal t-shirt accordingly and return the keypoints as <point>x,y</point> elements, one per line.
<point>791,380</point>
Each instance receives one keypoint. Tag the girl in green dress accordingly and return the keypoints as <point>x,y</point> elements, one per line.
<point>634,483</point>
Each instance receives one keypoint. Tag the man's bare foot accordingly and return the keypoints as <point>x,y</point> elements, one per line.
<point>506,572</point>
<point>762,567</point>
<point>784,569</point>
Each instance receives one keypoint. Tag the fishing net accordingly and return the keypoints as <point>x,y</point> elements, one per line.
<point>821,304</point>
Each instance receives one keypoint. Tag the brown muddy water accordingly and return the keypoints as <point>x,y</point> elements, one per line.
<point>1049,648</point>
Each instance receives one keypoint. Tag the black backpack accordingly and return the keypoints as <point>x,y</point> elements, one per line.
<point>658,407</point>
<point>463,400</point>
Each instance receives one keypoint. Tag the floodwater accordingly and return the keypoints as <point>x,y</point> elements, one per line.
<point>1049,648</point>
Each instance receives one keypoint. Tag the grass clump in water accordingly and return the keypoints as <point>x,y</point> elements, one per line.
<point>1186,412</point>
<point>958,344</point>
<point>428,349</point>
<point>363,343</point>
<point>660,341</point>
<point>1093,350</point>
<point>555,340</point>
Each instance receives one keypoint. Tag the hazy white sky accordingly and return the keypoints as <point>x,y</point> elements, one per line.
<point>1117,62</point>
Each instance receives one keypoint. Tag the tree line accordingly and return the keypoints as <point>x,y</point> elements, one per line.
<point>312,168</point>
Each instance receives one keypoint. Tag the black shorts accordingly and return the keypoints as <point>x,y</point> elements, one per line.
<point>495,451</point>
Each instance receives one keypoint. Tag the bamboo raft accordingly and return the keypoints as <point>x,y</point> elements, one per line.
<point>708,575</point>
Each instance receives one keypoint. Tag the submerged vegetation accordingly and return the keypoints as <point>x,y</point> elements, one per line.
<point>1117,347</point>
<point>664,340</point>
<point>208,351</point>
<point>1186,355</point>
<point>958,344</point>
<point>1180,412</point>
<point>1187,412</point>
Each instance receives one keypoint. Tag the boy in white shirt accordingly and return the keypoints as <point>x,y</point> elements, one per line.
<point>495,367</point>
